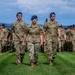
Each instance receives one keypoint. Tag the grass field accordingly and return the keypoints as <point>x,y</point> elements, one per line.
<point>64,65</point>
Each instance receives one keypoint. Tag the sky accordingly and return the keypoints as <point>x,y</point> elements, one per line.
<point>64,9</point>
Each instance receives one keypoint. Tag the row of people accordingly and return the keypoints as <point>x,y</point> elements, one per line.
<point>32,37</point>
<point>67,39</point>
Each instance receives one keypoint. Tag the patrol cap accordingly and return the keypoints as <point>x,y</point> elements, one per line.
<point>52,14</point>
<point>34,17</point>
<point>3,25</point>
<point>19,13</point>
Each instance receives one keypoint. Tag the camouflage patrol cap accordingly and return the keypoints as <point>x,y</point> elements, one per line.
<point>19,13</point>
<point>34,17</point>
<point>52,14</point>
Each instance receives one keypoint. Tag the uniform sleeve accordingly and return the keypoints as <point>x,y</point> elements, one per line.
<point>41,31</point>
<point>64,34</point>
<point>7,31</point>
<point>28,28</point>
<point>71,34</point>
<point>12,28</point>
<point>58,25</point>
<point>25,28</point>
<point>45,27</point>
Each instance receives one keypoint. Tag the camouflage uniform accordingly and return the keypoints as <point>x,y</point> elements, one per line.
<point>69,35</point>
<point>0,40</point>
<point>33,42</point>
<point>19,29</point>
<point>51,29</point>
<point>73,39</point>
<point>11,44</point>
<point>62,40</point>
<point>3,33</point>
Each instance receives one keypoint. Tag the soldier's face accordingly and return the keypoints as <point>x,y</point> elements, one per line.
<point>0,27</point>
<point>34,21</point>
<point>19,17</point>
<point>52,17</point>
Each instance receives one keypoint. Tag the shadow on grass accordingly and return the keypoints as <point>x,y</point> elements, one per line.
<point>46,63</point>
<point>21,64</point>
<point>5,62</point>
<point>64,66</point>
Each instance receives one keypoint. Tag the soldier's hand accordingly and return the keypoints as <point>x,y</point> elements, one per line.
<point>58,39</point>
<point>5,40</point>
<point>23,43</point>
<point>12,42</point>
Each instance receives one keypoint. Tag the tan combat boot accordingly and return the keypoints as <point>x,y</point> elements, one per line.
<point>32,64</point>
<point>51,62</point>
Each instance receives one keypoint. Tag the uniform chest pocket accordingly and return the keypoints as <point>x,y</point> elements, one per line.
<point>34,30</point>
<point>52,27</point>
<point>16,27</point>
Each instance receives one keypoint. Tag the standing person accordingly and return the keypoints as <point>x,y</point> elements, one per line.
<point>3,37</point>
<point>19,28</point>
<point>34,40</point>
<point>62,39</point>
<point>0,38</point>
<point>69,36</point>
<point>11,44</point>
<point>73,38</point>
<point>52,33</point>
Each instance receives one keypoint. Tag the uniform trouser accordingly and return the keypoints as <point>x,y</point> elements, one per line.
<point>61,46</point>
<point>69,46</point>
<point>51,48</point>
<point>19,51</point>
<point>11,47</point>
<point>73,42</point>
<point>33,49</point>
<point>2,44</point>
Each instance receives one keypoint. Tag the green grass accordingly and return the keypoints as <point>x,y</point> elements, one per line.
<point>64,65</point>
